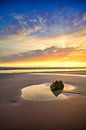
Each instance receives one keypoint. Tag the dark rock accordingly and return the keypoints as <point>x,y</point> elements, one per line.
<point>57,87</point>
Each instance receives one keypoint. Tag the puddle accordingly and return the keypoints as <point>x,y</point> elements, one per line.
<point>42,92</point>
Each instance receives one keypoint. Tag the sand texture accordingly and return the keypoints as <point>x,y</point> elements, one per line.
<point>19,114</point>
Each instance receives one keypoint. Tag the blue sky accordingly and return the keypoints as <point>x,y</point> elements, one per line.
<point>30,28</point>
<point>31,9</point>
<point>8,6</point>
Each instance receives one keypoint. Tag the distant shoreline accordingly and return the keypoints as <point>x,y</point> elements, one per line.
<point>75,72</point>
<point>9,68</point>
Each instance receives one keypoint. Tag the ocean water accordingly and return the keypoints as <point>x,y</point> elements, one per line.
<point>45,70</point>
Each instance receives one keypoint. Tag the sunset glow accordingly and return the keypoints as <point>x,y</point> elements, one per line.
<point>52,37</point>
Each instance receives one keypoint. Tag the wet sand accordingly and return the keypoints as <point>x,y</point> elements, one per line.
<point>18,114</point>
<point>42,92</point>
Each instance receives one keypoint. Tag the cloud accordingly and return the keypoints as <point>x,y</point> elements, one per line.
<point>57,34</point>
<point>21,43</point>
<point>58,21</point>
<point>10,28</point>
<point>52,51</point>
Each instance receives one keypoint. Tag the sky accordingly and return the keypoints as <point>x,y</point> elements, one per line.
<point>43,33</point>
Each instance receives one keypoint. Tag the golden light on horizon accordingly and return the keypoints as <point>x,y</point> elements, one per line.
<point>66,50</point>
<point>45,64</point>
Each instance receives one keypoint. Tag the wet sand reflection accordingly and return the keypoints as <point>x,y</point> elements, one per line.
<point>42,92</point>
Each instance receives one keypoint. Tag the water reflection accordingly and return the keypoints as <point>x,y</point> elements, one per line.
<point>57,92</point>
<point>41,70</point>
<point>42,92</point>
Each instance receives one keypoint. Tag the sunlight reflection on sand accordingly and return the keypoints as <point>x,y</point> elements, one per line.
<point>42,92</point>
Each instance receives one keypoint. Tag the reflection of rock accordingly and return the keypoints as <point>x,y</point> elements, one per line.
<point>57,87</point>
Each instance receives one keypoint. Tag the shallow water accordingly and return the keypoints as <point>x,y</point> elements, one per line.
<point>76,75</point>
<point>42,92</point>
<point>80,71</point>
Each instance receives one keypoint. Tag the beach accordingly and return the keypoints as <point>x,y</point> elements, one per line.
<point>19,114</point>
<point>42,65</point>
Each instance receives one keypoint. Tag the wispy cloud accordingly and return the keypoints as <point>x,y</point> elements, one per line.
<point>59,34</point>
<point>51,53</point>
<point>58,21</point>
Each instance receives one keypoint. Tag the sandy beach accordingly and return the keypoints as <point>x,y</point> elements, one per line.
<point>19,114</point>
